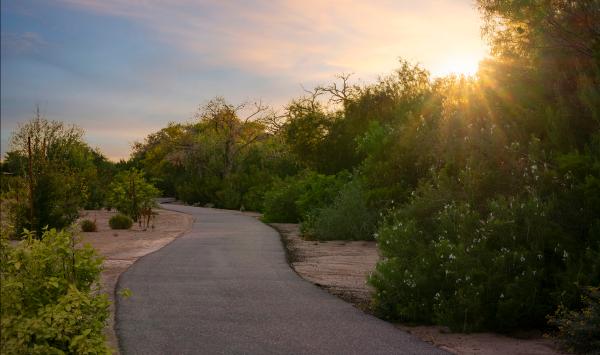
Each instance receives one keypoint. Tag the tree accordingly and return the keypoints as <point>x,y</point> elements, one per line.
<point>220,158</point>
<point>133,196</point>
<point>53,162</point>
<point>306,130</point>
<point>556,45</point>
<point>237,127</point>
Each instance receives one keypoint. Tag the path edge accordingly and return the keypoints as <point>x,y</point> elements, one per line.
<point>116,297</point>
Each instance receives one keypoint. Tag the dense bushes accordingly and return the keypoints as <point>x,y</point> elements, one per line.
<point>500,270</point>
<point>503,224</point>
<point>579,331</point>
<point>120,221</point>
<point>49,303</point>
<point>293,199</point>
<point>349,217</point>
<point>328,206</point>
<point>227,157</point>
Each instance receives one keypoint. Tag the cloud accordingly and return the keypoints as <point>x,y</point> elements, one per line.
<point>129,66</point>
<point>22,43</point>
<point>309,39</point>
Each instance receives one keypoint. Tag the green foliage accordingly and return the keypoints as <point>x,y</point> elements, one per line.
<point>228,157</point>
<point>454,265</point>
<point>88,225</point>
<point>120,221</point>
<point>579,331</point>
<point>49,300</point>
<point>306,131</point>
<point>48,160</point>
<point>132,195</point>
<point>497,183</point>
<point>349,217</point>
<point>97,179</point>
<point>280,202</point>
<point>292,199</point>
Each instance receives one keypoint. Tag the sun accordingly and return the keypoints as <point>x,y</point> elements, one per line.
<point>460,64</point>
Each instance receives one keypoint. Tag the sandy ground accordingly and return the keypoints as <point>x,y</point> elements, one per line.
<point>341,267</point>
<point>121,248</point>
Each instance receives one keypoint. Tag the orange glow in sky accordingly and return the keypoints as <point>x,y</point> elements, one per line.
<point>129,67</point>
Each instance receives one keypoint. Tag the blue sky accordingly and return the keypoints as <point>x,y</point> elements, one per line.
<point>122,69</point>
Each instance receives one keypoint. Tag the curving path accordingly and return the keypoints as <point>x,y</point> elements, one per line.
<point>225,288</point>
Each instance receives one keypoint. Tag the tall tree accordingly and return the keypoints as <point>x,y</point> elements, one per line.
<point>56,167</point>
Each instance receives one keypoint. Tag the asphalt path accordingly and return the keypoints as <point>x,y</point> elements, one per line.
<point>225,288</point>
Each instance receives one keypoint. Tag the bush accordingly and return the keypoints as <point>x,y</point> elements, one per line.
<point>88,226</point>
<point>454,265</point>
<point>228,197</point>
<point>579,331</point>
<point>280,202</point>
<point>348,218</point>
<point>120,221</point>
<point>133,196</point>
<point>292,200</point>
<point>50,303</point>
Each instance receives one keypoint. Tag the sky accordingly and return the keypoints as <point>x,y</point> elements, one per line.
<point>122,69</point>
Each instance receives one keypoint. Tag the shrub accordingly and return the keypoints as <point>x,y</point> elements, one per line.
<point>88,226</point>
<point>349,217</point>
<point>120,221</point>
<point>280,202</point>
<point>292,200</point>
<point>228,197</point>
<point>579,331</point>
<point>50,303</point>
<point>133,196</point>
<point>254,197</point>
<point>502,269</point>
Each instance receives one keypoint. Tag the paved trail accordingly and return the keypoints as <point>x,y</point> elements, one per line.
<point>225,288</point>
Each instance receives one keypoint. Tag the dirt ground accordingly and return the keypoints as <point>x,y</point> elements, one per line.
<point>121,248</point>
<point>341,267</point>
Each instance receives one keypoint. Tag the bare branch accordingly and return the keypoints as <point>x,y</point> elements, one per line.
<point>338,94</point>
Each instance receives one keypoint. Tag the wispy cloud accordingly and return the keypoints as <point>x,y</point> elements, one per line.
<point>305,39</point>
<point>122,68</point>
<point>20,43</point>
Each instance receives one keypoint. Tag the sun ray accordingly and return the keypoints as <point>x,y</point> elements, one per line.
<point>460,64</point>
